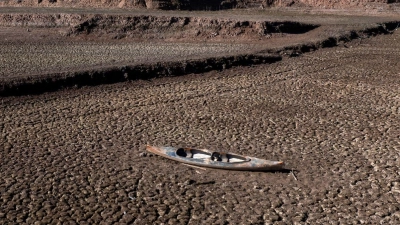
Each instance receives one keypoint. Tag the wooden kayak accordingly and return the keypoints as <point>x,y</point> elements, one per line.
<point>213,159</point>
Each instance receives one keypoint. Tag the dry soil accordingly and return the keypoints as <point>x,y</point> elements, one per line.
<point>332,115</point>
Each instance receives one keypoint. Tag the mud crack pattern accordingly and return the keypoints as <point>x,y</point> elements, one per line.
<point>333,115</point>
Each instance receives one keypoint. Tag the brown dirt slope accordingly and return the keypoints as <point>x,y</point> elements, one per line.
<point>185,28</point>
<point>203,5</point>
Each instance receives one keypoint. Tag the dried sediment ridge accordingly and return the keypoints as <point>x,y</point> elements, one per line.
<point>186,27</point>
<point>153,27</point>
<point>41,20</point>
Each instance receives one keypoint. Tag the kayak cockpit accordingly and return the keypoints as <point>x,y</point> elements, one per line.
<point>213,156</point>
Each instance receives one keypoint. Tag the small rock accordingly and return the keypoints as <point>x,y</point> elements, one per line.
<point>189,182</point>
<point>8,146</point>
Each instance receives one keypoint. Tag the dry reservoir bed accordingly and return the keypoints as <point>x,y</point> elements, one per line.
<point>332,115</point>
<point>63,48</point>
<point>27,59</point>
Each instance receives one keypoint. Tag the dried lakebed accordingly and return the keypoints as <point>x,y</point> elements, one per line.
<point>50,51</point>
<point>332,115</point>
<point>27,59</point>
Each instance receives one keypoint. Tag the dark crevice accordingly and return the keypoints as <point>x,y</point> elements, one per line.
<point>297,50</point>
<point>54,82</point>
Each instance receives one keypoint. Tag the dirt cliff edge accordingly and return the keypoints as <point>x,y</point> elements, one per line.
<point>202,5</point>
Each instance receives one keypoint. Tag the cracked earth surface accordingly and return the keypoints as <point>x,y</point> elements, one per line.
<point>332,115</point>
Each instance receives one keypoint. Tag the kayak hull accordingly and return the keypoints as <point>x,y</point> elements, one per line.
<point>216,160</point>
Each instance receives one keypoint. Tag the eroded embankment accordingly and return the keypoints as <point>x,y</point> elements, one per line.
<point>202,4</point>
<point>188,28</point>
<point>56,81</point>
<point>153,27</point>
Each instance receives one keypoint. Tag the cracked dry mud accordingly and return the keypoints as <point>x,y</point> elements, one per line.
<point>26,58</point>
<point>332,115</point>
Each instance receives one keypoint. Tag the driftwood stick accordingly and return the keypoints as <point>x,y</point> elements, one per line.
<point>294,176</point>
<point>197,167</point>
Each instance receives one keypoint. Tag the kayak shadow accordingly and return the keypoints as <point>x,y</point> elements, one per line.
<point>283,170</point>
